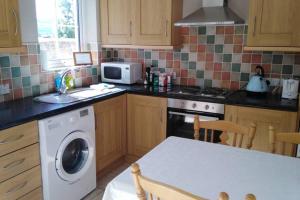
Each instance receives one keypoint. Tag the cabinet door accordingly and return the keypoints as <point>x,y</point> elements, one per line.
<point>282,121</point>
<point>110,118</point>
<point>152,22</point>
<point>116,25</point>
<point>146,123</point>
<point>273,23</point>
<point>10,35</point>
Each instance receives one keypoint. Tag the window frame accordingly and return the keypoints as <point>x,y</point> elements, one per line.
<point>60,63</point>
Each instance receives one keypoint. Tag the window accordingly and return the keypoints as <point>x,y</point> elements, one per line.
<point>58,31</point>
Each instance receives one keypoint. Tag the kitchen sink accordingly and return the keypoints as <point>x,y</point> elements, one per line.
<point>73,95</point>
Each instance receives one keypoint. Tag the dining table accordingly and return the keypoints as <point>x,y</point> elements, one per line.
<point>206,169</point>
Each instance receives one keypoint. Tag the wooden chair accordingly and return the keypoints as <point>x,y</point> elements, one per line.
<point>239,132</point>
<point>283,138</point>
<point>160,191</point>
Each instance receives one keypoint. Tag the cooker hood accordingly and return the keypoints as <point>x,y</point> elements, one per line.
<point>220,15</point>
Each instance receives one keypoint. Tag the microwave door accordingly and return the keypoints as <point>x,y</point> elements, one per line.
<point>113,73</point>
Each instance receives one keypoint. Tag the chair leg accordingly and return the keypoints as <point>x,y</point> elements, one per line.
<point>136,172</point>
<point>196,128</point>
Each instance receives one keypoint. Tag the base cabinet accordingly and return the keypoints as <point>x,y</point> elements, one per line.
<point>282,121</point>
<point>146,123</point>
<point>20,173</point>
<point>110,117</point>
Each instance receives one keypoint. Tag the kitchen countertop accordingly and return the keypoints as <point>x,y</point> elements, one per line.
<point>20,111</point>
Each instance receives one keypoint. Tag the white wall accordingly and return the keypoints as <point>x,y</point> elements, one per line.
<point>240,7</point>
<point>28,21</point>
<point>190,6</point>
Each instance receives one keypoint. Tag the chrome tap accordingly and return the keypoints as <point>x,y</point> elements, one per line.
<point>63,86</point>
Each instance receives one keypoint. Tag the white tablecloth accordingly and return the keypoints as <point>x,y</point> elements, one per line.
<point>206,169</point>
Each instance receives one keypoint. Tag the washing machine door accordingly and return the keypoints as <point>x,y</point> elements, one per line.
<point>74,156</point>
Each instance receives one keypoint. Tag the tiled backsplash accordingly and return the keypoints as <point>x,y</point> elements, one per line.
<point>214,56</point>
<point>25,76</point>
<point>210,56</point>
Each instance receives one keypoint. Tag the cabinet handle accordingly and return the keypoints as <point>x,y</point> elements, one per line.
<point>16,188</point>
<point>130,28</point>
<point>14,163</point>
<point>167,22</point>
<point>16,20</point>
<point>8,140</point>
<point>161,117</point>
<point>254,28</point>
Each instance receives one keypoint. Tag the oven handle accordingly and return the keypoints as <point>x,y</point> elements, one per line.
<point>201,117</point>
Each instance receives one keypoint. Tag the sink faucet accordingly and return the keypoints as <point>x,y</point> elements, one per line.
<point>63,86</point>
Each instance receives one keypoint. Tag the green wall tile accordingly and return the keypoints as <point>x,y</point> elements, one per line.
<point>26,81</point>
<point>236,67</point>
<point>192,65</point>
<point>210,39</point>
<point>15,72</point>
<point>244,76</point>
<point>227,58</point>
<point>184,56</point>
<point>200,74</point>
<point>36,90</point>
<point>202,30</point>
<point>287,69</point>
<point>147,55</point>
<point>207,83</point>
<point>4,61</point>
<point>219,48</point>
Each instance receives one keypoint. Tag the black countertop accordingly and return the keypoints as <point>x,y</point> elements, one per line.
<point>268,101</point>
<point>20,111</point>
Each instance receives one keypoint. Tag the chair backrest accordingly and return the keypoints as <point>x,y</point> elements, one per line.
<point>239,132</point>
<point>161,191</point>
<point>283,138</point>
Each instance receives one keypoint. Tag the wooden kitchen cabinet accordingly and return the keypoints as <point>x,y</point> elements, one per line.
<point>274,25</point>
<point>10,33</point>
<point>146,123</point>
<point>282,121</point>
<point>116,23</point>
<point>140,23</point>
<point>110,117</point>
<point>20,174</point>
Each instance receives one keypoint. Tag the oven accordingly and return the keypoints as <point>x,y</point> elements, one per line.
<point>180,121</point>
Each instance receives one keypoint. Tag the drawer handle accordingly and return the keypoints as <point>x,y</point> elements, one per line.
<point>16,188</point>
<point>14,163</point>
<point>8,140</point>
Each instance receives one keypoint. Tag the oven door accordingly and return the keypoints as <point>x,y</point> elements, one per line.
<point>181,124</point>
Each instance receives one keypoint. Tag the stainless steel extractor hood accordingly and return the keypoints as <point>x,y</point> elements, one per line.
<point>221,15</point>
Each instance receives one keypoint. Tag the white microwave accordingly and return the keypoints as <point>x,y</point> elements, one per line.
<point>119,72</point>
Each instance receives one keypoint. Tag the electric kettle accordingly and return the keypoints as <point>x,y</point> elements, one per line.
<point>258,84</point>
<point>290,89</point>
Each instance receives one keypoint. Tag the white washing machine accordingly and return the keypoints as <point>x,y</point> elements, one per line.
<point>67,146</point>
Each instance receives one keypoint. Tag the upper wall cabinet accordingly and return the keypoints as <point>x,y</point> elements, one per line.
<point>116,23</point>
<point>140,23</point>
<point>274,25</point>
<point>10,33</point>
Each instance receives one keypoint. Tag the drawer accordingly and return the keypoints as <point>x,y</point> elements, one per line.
<point>36,194</point>
<point>18,137</point>
<point>17,162</point>
<point>20,185</point>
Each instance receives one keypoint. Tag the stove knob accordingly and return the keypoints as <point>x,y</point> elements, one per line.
<point>206,107</point>
<point>194,105</point>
